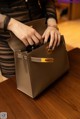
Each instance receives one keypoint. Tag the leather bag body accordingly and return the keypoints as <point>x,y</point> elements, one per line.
<point>37,69</point>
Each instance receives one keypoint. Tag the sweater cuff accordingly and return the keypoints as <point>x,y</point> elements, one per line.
<point>51,16</point>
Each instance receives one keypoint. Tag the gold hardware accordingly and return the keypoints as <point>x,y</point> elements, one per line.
<point>43,60</point>
<point>47,60</point>
<point>49,51</point>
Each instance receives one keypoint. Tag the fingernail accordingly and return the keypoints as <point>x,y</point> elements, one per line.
<point>53,48</point>
<point>44,42</point>
<point>57,44</point>
<point>50,47</point>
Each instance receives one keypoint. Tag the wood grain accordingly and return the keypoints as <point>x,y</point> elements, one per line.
<point>60,101</point>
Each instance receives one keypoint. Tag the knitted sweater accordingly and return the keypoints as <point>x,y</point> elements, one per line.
<point>27,10</point>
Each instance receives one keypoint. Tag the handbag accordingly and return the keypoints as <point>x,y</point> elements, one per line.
<point>37,69</point>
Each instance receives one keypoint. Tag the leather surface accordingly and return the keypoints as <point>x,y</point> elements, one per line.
<point>33,77</point>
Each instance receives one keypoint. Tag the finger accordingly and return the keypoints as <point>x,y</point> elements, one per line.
<point>51,40</point>
<point>58,39</point>
<point>34,38</point>
<point>46,37</point>
<point>55,41</point>
<point>25,42</point>
<point>43,36</point>
<point>30,41</point>
<point>38,35</point>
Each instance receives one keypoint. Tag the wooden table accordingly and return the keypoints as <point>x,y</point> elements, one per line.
<point>60,101</point>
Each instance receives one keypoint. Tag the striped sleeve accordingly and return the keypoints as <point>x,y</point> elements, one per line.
<point>48,7</point>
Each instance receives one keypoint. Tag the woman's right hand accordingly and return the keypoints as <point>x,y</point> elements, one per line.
<point>26,34</point>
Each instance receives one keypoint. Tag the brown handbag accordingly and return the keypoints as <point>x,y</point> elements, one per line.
<point>37,69</point>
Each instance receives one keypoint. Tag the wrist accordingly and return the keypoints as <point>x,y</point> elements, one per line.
<point>2,19</point>
<point>51,22</point>
<point>11,24</point>
<point>54,26</point>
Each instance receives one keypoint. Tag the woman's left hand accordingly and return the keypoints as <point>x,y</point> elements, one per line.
<point>54,35</point>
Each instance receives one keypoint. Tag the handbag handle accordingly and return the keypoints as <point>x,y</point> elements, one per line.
<point>42,60</point>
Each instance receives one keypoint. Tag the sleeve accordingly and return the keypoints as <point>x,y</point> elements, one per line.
<point>48,8</point>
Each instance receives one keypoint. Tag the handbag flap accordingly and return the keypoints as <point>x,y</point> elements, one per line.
<point>17,44</point>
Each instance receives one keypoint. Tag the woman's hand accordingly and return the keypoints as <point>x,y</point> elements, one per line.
<point>54,35</point>
<point>52,32</point>
<point>26,34</point>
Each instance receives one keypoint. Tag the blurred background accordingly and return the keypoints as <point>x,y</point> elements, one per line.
<point>68,14</point>
<point>67,10</point>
